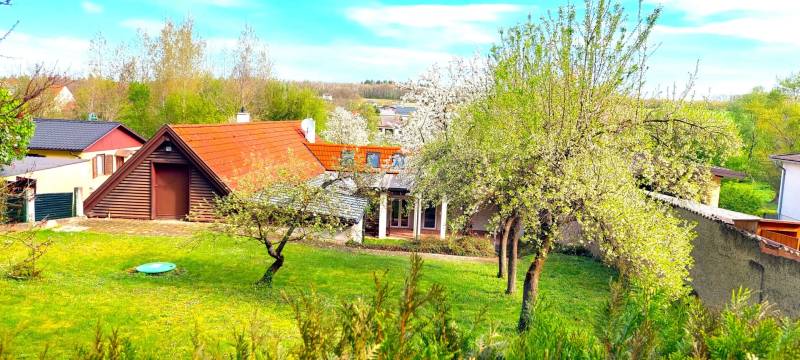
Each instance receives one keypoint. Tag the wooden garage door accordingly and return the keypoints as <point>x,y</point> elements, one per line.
<point>171,190</point>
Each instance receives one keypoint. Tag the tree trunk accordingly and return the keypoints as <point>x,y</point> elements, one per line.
<point>270,273</point>
<point>530,289</point>
<point>503,253</point>
<point>512,259</point>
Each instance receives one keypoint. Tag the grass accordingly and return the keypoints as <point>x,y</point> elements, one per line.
<point>86,281</point>
<point>368,240</point>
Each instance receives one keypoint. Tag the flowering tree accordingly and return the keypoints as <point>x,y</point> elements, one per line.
<point>275,205</point>
<point>565,135</point>
<point>346,127</point>
<point>438,94</point>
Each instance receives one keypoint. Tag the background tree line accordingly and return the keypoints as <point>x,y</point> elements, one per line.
<point>167,79</point>
<point>768,121</point>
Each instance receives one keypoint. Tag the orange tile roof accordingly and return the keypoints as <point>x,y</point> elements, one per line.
<point>229,149</point>
<point>330,154</point>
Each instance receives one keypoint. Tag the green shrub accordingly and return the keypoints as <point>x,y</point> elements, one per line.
<point>547,338</point>
<point>745,197</point>
<point>454,245</point>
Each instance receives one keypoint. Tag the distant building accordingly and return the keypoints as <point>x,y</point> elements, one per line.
<point>327,97</point>
<point>392,118</point>
<point>64,100</point>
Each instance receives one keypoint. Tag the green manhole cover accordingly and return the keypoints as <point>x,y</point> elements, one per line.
<point>155,267</point>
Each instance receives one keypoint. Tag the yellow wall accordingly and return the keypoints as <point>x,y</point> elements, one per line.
<point>66,178</point>
<point>712,197</point>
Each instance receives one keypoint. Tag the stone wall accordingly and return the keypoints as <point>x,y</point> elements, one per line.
<point>726,258</point>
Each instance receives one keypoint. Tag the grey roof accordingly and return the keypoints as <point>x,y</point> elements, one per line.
<point>346,207</point>
<point>727,173</point>
<point>787,157</point>
<point>404,110</point>
<point>341,203</point>
<point>31,164</point>
<point>397,182</point>
<point>724,215</point>
<point>71,135</point>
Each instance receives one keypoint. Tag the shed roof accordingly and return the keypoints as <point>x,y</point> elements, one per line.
<point>31,164</point>
<point>787,157</point>
<point>72,135</point>
<point>230,149</point>
<point>727,173</point>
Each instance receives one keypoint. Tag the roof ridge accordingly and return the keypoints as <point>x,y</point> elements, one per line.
<point>234,124</point>
<point>79,120</point>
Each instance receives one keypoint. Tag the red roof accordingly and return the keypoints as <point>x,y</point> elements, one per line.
<point>230,149</point>
<point>330,155</point>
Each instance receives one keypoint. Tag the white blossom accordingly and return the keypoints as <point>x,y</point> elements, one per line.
<point>438,94</point>
<point>346,127</point>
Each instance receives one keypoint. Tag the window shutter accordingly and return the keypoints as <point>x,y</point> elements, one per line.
<point>108,164</point>
<point>94,167</point>
<point>120,161</point>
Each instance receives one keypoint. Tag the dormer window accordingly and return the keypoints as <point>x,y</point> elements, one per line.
<point>398,161</point>
<point>373,159</point>
<point>348,157</point>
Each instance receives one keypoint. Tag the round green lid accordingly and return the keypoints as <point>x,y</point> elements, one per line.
<point>155,267</point>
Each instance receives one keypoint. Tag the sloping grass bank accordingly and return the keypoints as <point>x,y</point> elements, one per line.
<point>87,280</point>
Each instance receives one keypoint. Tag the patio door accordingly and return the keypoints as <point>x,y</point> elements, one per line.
<point>400,213</point>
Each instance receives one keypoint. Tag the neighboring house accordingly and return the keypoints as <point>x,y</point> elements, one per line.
<point>63,99</point>
<point>789,195</point>
<point>106,144</point>
<point>719,173</point>
<point>392,118</point>
<point>399,214</point>
<point>183,168</point>
<point>67,160</point>
<point>51,192</point>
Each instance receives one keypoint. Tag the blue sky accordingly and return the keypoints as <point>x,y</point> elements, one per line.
<point>740,43</point>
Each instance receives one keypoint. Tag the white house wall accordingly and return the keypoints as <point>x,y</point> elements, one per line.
<point>60,179</point>
<point>790,192</point>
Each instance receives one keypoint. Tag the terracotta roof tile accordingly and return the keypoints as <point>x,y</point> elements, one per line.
<point>330,155</point>
<point>229,149</point>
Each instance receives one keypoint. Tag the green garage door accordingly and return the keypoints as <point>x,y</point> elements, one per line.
<point>53,206</point>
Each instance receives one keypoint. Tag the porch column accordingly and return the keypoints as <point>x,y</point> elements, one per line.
<point>443,222</point>
<point>382,214</point>
<point>417,212</point>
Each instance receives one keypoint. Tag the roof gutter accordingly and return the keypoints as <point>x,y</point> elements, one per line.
<point>780,190</point>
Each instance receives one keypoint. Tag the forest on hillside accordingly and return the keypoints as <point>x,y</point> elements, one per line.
<point>170,78</point>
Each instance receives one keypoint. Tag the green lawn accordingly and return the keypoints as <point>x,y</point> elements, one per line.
<point>86,281</point>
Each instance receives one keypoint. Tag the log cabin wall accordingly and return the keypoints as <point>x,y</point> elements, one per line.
<point>132,198</point>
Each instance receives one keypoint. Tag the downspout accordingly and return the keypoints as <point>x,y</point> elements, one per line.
<point>780,190</point>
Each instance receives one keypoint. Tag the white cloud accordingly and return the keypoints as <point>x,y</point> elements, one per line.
<point>350,62</point>
<point>91,7</point>
<point>699,9</point>
<point>21,51</point>
<point>767,21</point>
<point>149,26</point>
<point>436,25</point>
